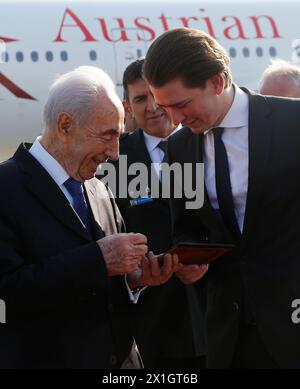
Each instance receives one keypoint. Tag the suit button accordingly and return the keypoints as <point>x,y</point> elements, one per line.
<point>110,308</point>
<point>112,360</point>
<point>236,306</point>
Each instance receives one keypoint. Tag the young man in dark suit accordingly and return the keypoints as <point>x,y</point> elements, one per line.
<point>250,148</point>
<point>63,250</point>
<point>165,315</point>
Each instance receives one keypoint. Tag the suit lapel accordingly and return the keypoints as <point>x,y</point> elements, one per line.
<point>90,191</point>
<point>41,184</point>
<point>140,153</point>
<point>138,149</point>
<point>260,136</point>
<point>106,218</point>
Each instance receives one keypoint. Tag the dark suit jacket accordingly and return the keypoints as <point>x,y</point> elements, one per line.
<point>145,218</point>
<point>265,267</point>
<point>63,311</point>
<point>163,325</point>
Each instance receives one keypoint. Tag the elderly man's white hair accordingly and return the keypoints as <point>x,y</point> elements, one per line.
<point>76,93</point>
<point>279,67</point>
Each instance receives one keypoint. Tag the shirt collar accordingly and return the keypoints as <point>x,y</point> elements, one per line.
<point>237,115</point>
<point>153,141</point>
<point>50,164</point>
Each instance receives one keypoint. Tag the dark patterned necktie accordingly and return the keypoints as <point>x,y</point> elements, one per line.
<point>163,145</point>
<point>223,185</point>
<point>79,203</point>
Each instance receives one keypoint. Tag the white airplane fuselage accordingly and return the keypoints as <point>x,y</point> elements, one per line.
<point>43,40</point>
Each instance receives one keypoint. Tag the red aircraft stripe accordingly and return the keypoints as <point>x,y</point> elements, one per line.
<point>13,88</point>
<point>7,40</point>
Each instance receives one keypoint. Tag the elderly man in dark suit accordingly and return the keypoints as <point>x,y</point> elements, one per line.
<point>250,148</point>
<point>167,317</point>
<point>63,250</point>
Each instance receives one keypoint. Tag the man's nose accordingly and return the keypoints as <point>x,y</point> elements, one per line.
<point>151,104</point>
<point>113,151</point>
<point>176,116</point>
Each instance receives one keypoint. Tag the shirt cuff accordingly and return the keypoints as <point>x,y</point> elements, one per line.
<point>134,294</point>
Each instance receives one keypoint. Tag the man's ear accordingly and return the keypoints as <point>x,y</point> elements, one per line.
<point>217,82</point>
<point>64,125</point>
<point>127,107</point>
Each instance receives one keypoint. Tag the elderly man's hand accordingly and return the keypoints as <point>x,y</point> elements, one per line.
<point>188,274</point>
<point>123,252</point>
<point>151,274</point>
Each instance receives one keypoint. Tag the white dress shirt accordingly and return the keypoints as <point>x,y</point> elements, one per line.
<point>235,139</point>
<point>50,164</point>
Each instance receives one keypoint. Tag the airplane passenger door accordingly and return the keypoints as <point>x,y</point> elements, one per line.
<point>126,52</point>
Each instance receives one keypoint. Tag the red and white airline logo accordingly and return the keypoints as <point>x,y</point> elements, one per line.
<point>7,40</point>
<point>6,82</point>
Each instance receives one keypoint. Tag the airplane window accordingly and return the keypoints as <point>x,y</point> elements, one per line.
<point>19,56</point>
<point>272,51</point>
<point>49,56</point>
<point>259,52</point>
<point>232,52</point>
<point>64,56</point>
<point>246,52</point>
<point>93,55</point>
<point>6,57</point>
<point>34,56</point>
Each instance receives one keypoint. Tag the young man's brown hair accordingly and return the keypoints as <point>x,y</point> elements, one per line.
<point>188,54</point>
